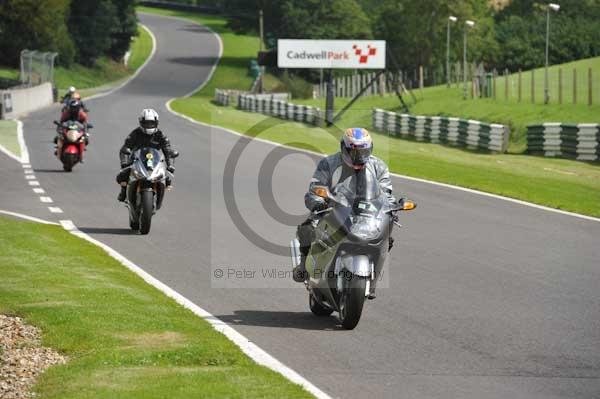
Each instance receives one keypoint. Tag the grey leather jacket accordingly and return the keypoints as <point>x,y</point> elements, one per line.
<point>331,169</point>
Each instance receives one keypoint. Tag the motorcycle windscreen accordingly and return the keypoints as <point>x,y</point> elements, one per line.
<point>149,157</point>
<point>359,186</point>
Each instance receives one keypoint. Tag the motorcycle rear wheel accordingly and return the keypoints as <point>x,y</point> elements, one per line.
<point>147,208</point>
<point>352,301</point>
<point>317,308</point>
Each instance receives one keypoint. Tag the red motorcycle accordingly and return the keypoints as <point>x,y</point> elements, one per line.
<point>72,139</point>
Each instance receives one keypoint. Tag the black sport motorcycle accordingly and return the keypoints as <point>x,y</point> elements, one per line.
<point>146,187</point>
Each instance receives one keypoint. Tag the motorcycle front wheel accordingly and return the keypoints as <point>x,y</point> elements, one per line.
<point>352,301</point>
<point>147,208</point>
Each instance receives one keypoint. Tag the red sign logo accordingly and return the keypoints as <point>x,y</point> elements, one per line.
<point>362,58</point>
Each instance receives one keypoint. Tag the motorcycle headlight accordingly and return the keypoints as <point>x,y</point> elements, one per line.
<point>366,228</point>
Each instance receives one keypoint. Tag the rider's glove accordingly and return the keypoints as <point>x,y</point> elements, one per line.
<point>171,168</point>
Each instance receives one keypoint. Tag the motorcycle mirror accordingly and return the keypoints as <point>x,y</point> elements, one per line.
<point>174,154</point>
<point>321,191</point>
<point>56,123</point>
<point>408,205</point>
<point>90,126</point>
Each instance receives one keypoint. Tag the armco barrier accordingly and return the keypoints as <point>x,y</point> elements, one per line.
<point>229,97</point>
<point>268,104</point>
<point>20,101</point>
<point>581,142</point>
<point>437,129</point>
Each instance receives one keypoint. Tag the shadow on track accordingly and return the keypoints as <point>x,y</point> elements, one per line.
<point>107,230</point>
<point>299,320</point>
<point>49,171</point>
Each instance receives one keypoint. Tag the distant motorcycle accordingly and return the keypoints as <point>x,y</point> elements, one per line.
<point>146,186</point>
<point>74,140</point>
<point>350,246</point>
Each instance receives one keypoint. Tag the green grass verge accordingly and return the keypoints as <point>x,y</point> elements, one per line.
<point>124,338</point>
<point>558,183</point>
<point>8,137</point>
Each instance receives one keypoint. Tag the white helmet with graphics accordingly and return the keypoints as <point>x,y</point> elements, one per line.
<point>71,90</point>
<point>149,121</point>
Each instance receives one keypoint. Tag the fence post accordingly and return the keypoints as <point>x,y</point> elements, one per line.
<point>520,86</point>
<point>590,86</point>
<point>506,85</point>
<point>560,94</point>
<point>574,86</point>
<point>533,86</point>
<point>494,87</point>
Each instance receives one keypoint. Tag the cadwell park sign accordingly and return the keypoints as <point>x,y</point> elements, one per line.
<point>331,54</point>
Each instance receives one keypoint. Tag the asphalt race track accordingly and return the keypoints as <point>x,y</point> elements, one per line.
<point>486,298</point>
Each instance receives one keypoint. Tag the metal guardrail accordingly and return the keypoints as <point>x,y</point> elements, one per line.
<point>267,104</point>
<point>580,142</point>
<point>437,129</point>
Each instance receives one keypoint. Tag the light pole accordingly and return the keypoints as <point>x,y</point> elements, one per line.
<point>468,24</point>
<point>450,19</point>
<point>553,7</point>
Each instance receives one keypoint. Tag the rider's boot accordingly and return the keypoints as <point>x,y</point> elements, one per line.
<point>299,273</point>
<point>123,194</point>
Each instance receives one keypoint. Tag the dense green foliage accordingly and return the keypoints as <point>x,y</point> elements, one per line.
<point>81,30</point>
<point>512,37</point>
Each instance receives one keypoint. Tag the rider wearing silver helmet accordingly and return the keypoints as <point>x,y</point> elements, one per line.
<point>146,135</point>
<point>356,147</point>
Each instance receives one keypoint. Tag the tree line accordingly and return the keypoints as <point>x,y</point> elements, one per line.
<point>79,30</point>
<point>507,34</point>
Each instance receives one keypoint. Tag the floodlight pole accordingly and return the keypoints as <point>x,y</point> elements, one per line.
<point>468,24</point>
<point>553,7</point>
<point>450,19</point>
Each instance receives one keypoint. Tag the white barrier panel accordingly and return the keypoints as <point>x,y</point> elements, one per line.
<point>18,102</point>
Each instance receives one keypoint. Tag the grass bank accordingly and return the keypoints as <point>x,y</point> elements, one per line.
<point>8,137</point>
<point>123,338</point>
<point>558,183</point>
<point>105,72</point>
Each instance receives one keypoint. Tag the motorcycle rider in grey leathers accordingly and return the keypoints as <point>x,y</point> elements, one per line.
<point>355,154</point>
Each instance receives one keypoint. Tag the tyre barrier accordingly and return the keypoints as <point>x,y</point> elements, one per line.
<point>444,130</point>
<point>222,97</point>
<point>580,142</point>
<point>268,104</point>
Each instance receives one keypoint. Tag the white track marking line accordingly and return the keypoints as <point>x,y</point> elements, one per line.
<point>29,177</point>
<point>136,73</point>
<point>34,183</point>
<point>46,200</point>
<point>38,190</point>
<point>55,209</point>
<point>26,217</point>
<point>28,171</point>
<point>249,348</point>
<point>26,165</point>
<point>21,139</point>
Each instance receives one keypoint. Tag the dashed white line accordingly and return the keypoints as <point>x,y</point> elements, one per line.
<point>28,171</point>
<point>30,177</point>
<point>55,209</point>
<point>26,166</point>
<point>46,200</point>
<point>34,183</point>
<point>38,190</point>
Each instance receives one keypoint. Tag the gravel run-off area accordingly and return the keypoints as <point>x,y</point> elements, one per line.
<point>22,358</point>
